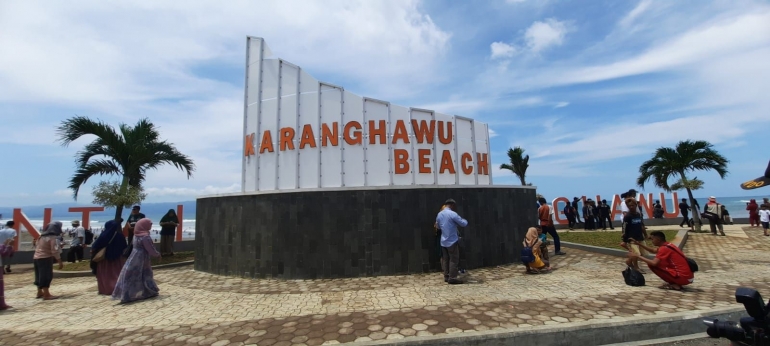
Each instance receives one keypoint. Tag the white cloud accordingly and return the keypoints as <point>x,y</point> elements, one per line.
<point>515,1</point>
<point>190,192</point>
<point>640,8</point>
<point>492,133</point>
<point>542,35</point>
<point>63,192</point>
<point>561,104</point>
<point>501,50</point>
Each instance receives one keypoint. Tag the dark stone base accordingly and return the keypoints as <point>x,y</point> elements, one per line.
<point>356,232</point>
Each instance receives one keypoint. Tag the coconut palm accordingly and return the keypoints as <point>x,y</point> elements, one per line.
<point>519,163</point>
<point>128,153</point>
<point>686,157</point>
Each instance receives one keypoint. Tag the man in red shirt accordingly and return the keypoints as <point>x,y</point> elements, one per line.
<point>669,263</point>
<point>545,214</point>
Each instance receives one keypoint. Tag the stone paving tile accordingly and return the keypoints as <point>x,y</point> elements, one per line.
<point>203,309</point>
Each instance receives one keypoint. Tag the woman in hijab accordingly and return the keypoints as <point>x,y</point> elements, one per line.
<point>7,237</point>
<point>46,253</point>
<point>135,281</point>
<point>753,209</point>
<point>532,240</point>
<point>168,225</point>
<point>107,270</point>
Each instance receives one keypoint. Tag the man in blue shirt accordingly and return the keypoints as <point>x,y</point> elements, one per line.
<point>447,221</point>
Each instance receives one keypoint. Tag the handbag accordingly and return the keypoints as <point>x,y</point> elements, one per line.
<point>633,277</point>
<point>101,253</point>
<point>690,262</point>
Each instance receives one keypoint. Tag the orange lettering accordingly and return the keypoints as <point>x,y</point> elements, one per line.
<point>373,131</point>
<point>422,155</point>
<point>400,132</point>
<point>441,137</point>
<point>307,137</point>
<point>446,163</point>
<point>401,161</point>
<point>423,131</point>
<point>267,142</point>
<point>674,199</point>
<point>287,138</point>
<point>329,136</point>
<point>463,160</point>
<point>616,209</point>
<point>645,203</point>
<point>248,145</point>
<point>557,216</point>
<point>356,137</point>
<point>482,165</point>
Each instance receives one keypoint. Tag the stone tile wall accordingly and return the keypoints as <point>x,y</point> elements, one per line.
<point>352,233</point>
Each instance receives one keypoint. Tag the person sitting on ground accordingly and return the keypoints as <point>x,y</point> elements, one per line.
<point>633,229</point>
<point>669,263</point>
<point>543,246</point>
<point>532,240</point>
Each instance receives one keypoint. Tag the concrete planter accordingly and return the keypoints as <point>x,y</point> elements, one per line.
<point>75,274</point>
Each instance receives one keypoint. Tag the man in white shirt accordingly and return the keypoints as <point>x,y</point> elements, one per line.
<point>78,242</point>
<point>623,207</point>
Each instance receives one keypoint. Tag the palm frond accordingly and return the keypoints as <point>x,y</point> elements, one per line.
<point>90,169</point>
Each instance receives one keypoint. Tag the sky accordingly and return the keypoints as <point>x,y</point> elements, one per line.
<point>588,88</point>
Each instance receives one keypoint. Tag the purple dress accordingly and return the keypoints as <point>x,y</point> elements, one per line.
<point>135,281</point>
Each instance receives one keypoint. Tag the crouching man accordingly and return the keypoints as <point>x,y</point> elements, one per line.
<point>669,263</point>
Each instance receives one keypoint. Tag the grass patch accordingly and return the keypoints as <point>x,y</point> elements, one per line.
<point>178,257</point>
<point>603,239</point>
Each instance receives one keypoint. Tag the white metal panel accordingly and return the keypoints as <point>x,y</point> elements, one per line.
<point>268,160</point>
<point>378,160</point>
<point>465,146</point>
<point>353,165</point>
<point>445,131</point>
<point>482,138</point>
<point>424,129</point>
<point>287,124</point>
<point>331,156</point>
<point>309,168</point>
<point>399,113</point>
<point>251,109</point>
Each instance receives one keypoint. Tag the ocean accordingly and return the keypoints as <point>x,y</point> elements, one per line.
<point>735,205</point>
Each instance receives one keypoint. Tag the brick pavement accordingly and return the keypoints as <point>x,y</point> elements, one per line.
<point>198,308</point>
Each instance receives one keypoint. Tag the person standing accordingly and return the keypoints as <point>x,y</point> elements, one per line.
<point>168,224</point>
<point>588,216</point>
<point>135,281</point>
<point>633,231</point>
<point>546,223</point>
<point>764,218</point>
<point>569,212</point>
<point>713,211</point>
<point>684,208</point>
<point>108,269</point>
<point>604,215</point>
<point>78,242</point>
<point>46,253</point>
<point>575,201</point>
<point>669,263</point>
<point>6,250</point>
<point>5,233</point>
<point>753,209</point>
<point>448,220</point>
<point>131,222</point>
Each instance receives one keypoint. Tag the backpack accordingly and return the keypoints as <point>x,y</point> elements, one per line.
<point>89,238</point>
<point>633,277</point>
<point>526,254</point>
<point>690,262</point>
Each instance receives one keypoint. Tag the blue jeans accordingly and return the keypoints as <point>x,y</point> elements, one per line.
<point>552,231</point>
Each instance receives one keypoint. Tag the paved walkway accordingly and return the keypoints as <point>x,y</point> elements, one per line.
<point>198,308</point>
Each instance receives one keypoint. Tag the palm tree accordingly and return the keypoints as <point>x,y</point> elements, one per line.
<point>128,153</point>
<point>519,163</point>
<point>687,156</point>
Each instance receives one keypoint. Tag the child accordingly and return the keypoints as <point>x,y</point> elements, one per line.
<point>633,228</point>
<point>543,246</point>
<point>764,218</point>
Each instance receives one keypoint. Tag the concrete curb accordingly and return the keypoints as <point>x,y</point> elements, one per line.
<point>582,333</point>
<point>680,240</point>
<point>76,274</point>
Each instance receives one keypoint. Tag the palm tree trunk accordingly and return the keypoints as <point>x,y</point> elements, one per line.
<point>695,212</point>
<point>123,189</point>
<point>523,183</point>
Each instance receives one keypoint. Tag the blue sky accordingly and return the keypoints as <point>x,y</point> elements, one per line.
<point>588,88</point>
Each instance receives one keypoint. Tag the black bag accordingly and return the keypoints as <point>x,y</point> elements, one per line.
<point>89,238</point>
<point>527,256</point>
<point>71,255</point>
<point>633,277</point>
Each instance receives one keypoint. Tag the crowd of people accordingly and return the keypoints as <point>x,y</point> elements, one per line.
<point>120,263</point>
